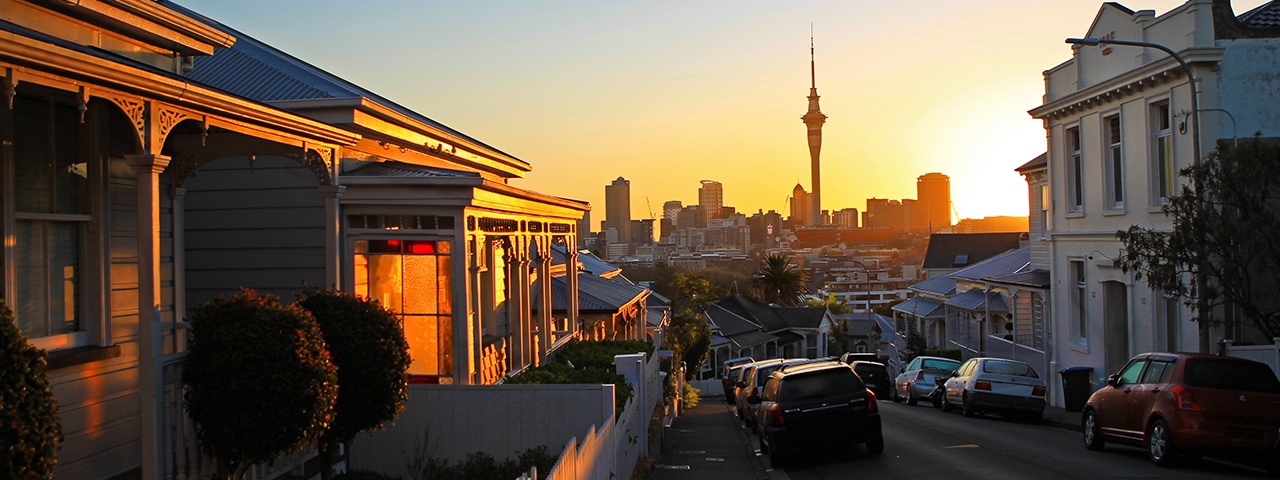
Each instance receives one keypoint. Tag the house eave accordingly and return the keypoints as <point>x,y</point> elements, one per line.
<point>1131,84</point>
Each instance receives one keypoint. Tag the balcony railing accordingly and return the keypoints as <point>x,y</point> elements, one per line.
<point>493,361</point>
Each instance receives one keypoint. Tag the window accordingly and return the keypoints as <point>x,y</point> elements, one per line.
<point>1166,322</point>
<point>1162,173</point>
<point>412,278</point>
<point>1079,303</point>
<point>1075,172</point>
<point>1130,373</point>
<point>1157,372</point>
<point>1044,210</point>
<point>1113,170</point>
<point>52,188</point>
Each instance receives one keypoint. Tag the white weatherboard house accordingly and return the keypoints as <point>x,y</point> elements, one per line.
<point>1115,117</point>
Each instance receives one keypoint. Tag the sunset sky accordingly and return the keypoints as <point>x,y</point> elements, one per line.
<point>667,93</point>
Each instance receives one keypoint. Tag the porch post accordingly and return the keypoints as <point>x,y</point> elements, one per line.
<point>544,299</point>
<point>147,167</point>
<point>332,234</point>
<point>528,355</point>
<point>571,288</point>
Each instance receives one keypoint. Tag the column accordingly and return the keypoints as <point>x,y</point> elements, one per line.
<point>544,299</point>
<point>571,288</point>
<point>148,168</point>
<point>332,234</point>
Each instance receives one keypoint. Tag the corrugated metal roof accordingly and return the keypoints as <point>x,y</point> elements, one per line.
<point>729,323</point>
<point>860,324</point>
<point>1034,278</point>
<point>946,248</point>
<point>755,311</point>
<point>938,286</point>
<point>1006,263</point>
<point>394,169</point>
<point>751,339</point>
<point>802,317</point>
<point>595,294</point>
<point>242,74</point>
<point>590,263</point>
<point>922,307</point>
<point>789,337</point>
<point>975,300</point>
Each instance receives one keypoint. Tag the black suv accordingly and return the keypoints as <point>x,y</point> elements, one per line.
<point>875,376</point>
<point>816,403</point>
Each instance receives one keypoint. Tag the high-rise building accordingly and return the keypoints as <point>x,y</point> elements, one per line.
<point>642,231</point>
<point>846,218</point>
<point>813,120</point>
<point>671,210</point>
<point>884,213</point>
<point>933,190</point>
<point>801,203</point>
<point>710,198</point>
<point>617,208</point>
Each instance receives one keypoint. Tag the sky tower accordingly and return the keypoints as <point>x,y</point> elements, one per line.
<point>814,119</point>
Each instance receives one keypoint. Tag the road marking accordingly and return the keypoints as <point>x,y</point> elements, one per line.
<point>714,459</point>
<point>672,467</point>
<point>962,446</point>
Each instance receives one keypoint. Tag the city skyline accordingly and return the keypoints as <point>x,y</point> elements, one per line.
<point>666,94</point>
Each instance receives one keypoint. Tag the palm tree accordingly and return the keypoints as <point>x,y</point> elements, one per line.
<point>778,281</point>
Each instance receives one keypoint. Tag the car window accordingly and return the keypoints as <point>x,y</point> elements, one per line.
<point>1157,372</point>
<point>1251,377</point>
<point>1130,372</point>
<point>936,364</point>
<point>1002,367</point>
<point>967,369</point>
<point>823,382</point>
<point>770,390</point>
<point>914,365</point>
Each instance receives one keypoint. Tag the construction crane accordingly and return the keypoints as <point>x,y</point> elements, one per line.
<point>954,212</point>
<point>650,205</point>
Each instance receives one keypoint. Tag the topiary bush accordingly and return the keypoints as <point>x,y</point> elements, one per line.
<point>367,345</point>
<point>29,428</point>
<point>259,380</point>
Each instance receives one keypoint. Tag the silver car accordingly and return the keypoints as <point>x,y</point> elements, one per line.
<point>920,377</point>
<point>986,384</point>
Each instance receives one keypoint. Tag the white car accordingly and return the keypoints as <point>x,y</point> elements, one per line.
<point>919,378</point>
<point>985,384</point>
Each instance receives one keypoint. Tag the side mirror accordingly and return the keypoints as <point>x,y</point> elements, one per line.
<point>742,384</point>
<point>955,374</point>
<point>753,399</point>
<point>1113,380</point>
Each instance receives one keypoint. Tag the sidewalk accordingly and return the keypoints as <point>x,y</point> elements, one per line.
<point>709,443</point>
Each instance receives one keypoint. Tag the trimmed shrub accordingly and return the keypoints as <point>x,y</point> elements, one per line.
<point>29,428</point>
<point>259,380</point>
<point>599,354</point>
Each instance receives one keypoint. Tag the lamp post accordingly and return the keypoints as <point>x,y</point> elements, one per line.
<point>1202,304</point>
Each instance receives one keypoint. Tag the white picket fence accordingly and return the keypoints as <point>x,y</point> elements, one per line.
<point>1268,354</point>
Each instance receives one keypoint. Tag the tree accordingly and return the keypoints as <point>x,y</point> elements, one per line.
<point>1224,233</point>
<point>367,345</point>
<point>29,428</point>
<point>259,380</point>
<point>777,281</point>
<point>688,335</point>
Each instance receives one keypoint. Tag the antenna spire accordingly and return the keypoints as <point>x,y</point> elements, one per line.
<point>813,77</point>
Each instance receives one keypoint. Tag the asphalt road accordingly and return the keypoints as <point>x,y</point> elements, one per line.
<point>922,442</point>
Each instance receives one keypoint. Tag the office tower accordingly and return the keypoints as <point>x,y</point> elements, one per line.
<point>617,208</point>
<point>813,120</point>
<point>671,210</point>
<point>801,202</point>
<point>642,231</point>
<point>710,198</point>
<point>846,218</point>
<point>933,190</point>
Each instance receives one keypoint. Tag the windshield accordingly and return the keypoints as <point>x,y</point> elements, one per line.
<point>939,364</point>
<point>1001,367</point>
<point>1247,376</point>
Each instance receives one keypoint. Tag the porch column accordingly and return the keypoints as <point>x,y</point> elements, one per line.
<point>528,353</point>
<point>571,288</point>
<point>179,221</point>
<point>332,234</point>
<point>147,168</point>
<point>544,299</point>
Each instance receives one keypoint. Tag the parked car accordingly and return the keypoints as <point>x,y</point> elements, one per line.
<point>754,377</point>
<point>744,384</point>
<point>851,357</point>
<point>1187,403</point>
<point>919,378</point>
<point>817,403</point>
<point>986,384</point>
<point>875,375</point>
<point>725,381</point>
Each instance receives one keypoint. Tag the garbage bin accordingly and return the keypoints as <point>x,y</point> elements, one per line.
<point>1075,387</point>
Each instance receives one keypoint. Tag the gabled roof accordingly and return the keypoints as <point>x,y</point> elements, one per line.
<point>959,250</point>
<point>1035,279</point>
<point>1007,263</point>
<point>944,286</point>
<point>1266,15</point>
<point>802,317</point>
<point>729,323</point>
<point>751,339</point>
<point>1038,163</point>
<point>595,294</point>
<point>922,308</point>
<point>587,261</point>
<point>755,311</point>
<point>862,324</point>
<point>976,300</point>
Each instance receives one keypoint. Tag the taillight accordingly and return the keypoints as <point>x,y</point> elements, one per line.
<point>1184,399</point>
<point>775,414</point>
<point>982,385</point>
<point>871,401</point>
<point>1037,391</point>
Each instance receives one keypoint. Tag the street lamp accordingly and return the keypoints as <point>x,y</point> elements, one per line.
<point>1202,304</point>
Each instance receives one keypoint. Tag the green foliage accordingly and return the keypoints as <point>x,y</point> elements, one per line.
<point>916,346</point>
<point>838,338</point>
<point>561,374</point>
<point>259,380</point>
<point>364,475</point>
<point>688,335</point>
<point>29,428</point>
<point>600,354</point>
<point>691,395</point>
<point>778,281</point>
<point>367,345</point>
<point>1222,234</point>
<point>482,466</point>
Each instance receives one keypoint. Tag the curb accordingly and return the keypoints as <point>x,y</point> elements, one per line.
<point>757,466</point>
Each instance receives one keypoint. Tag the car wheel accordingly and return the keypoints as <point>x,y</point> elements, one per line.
<point>911,395</point>
<point>937,401</point>
<point>946,404</point>
<point>778,458</point>
<point>895,397</point>
<point>1092,431</point>
<point>1160,444</point>
<point>875,446</point>
<point>965,408</point>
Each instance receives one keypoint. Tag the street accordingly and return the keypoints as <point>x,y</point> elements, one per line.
<point>922,442</point>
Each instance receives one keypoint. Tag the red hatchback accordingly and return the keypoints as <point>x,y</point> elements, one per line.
<point>1186,403</point>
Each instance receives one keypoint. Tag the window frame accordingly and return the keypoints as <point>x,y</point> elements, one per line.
<point>1163,171</point>
<point>1079,303</point>
<point>1073,153</point>
<point>1113,175</point>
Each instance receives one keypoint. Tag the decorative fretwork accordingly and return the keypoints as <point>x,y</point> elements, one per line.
<point>169,118</point>
<point>314,162</point>
<point>183,167</point>
<point>493,362</point>
<point>561,228</point>
<point>136,111</point>
<point>498,225</point>
<point>536,227</point>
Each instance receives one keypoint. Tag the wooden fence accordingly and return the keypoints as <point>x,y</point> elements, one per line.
<point>1268,354</point>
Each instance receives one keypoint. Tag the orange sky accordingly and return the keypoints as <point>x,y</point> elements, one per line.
<point>667,93</point>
